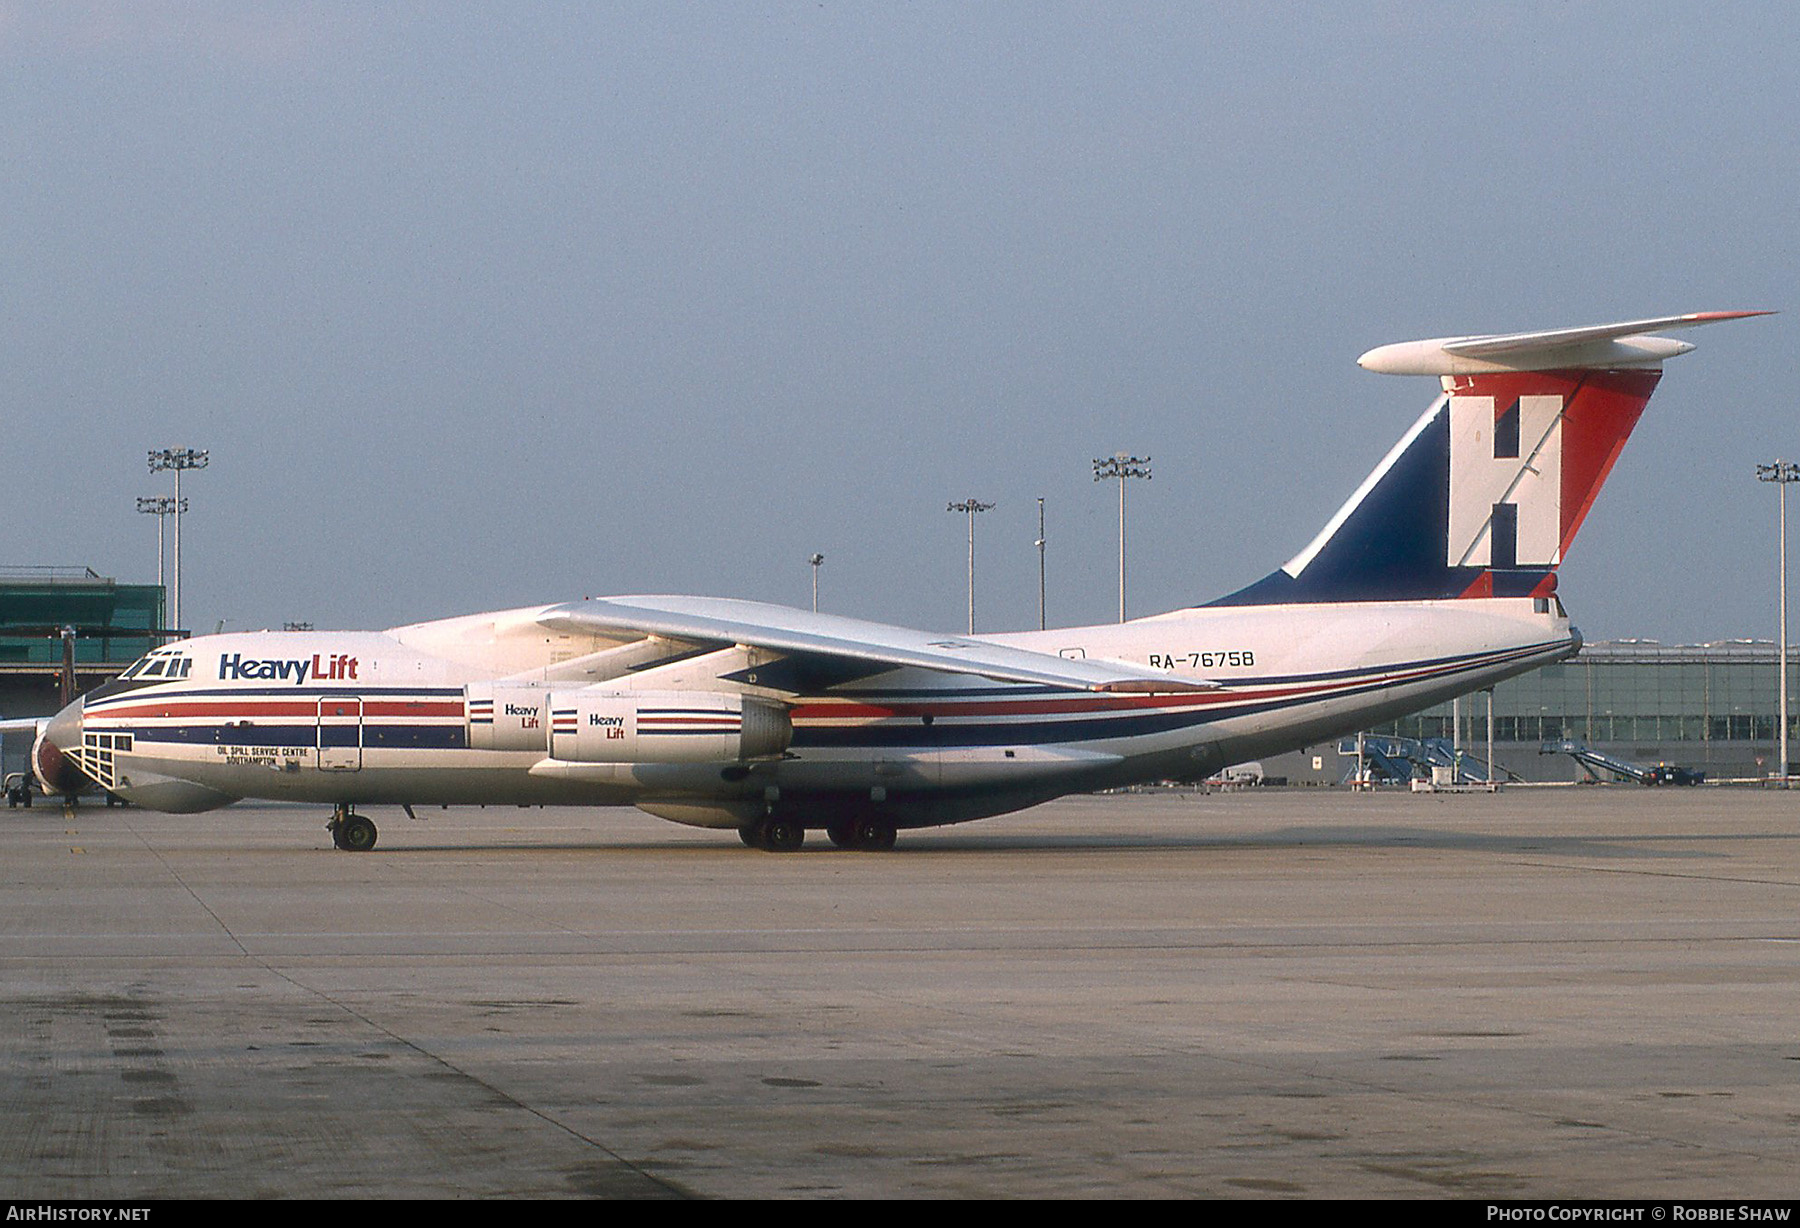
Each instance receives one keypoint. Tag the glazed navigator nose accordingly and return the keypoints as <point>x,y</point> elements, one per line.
<point>55,758</point>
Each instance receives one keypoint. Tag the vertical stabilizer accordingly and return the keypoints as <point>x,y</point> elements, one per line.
<point>1484,495</point>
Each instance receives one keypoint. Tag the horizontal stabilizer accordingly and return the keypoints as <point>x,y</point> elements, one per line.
<point>1596,347</point>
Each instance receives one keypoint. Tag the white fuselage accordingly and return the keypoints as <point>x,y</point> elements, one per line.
<point>463,711</point>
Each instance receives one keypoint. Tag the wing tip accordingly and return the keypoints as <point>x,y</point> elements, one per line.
<point>1707,317</point>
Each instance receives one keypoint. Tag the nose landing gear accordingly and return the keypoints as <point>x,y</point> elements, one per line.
<point>350,831</point>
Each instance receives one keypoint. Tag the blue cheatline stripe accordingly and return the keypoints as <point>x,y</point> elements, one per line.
<point>953,695</point>
<point>958,731</point>
<point>1461,659</point>
<point>347,692</point>
<point>1373,677</point>
<point>305,737</point>
<point>101,707</point>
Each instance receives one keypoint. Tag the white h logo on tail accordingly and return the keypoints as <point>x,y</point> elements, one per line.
<point>1505,483</point>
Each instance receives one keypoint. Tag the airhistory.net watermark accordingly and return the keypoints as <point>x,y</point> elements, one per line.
<point>64,1213</point>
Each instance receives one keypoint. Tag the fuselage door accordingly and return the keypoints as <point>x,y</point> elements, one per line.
<point>340,733</point>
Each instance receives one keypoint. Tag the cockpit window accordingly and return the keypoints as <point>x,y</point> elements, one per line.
<point>166,666</point>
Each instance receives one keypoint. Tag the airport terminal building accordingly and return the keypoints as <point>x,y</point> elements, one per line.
<point>48,614</point>
<point>1711,707</point>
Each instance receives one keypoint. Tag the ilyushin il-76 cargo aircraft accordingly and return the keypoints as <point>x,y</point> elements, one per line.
<point>1436,578</point>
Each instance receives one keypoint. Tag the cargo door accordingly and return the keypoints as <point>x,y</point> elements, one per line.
<point>340,734</point>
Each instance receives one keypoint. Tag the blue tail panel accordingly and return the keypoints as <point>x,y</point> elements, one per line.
<point>1391,545</point>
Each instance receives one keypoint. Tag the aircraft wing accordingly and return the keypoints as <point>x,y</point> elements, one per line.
<point>800,632</point>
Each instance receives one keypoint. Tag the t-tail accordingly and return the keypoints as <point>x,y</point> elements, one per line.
<point>1483,496</point>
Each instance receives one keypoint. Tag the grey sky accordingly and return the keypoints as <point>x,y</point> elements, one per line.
<point>477,306</point>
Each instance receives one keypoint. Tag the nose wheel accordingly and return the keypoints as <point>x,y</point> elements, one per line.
<point>350,831</point>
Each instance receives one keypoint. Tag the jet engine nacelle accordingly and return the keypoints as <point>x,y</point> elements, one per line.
<point>508,716</point>
<point>592,726</point>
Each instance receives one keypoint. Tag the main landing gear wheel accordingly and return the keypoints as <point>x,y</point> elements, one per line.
<point>779,835</point>
<point>351,831</point>
<point>875,835</point>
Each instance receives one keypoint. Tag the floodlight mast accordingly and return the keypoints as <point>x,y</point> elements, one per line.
<point>158,506</point>
<point>1781,473</point>
<point>1040,550</point>
<point>971,507</point>
<point>815,560</point>
<point>1121,466</point>
<point>161,507</point>
<point>177,460</point>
